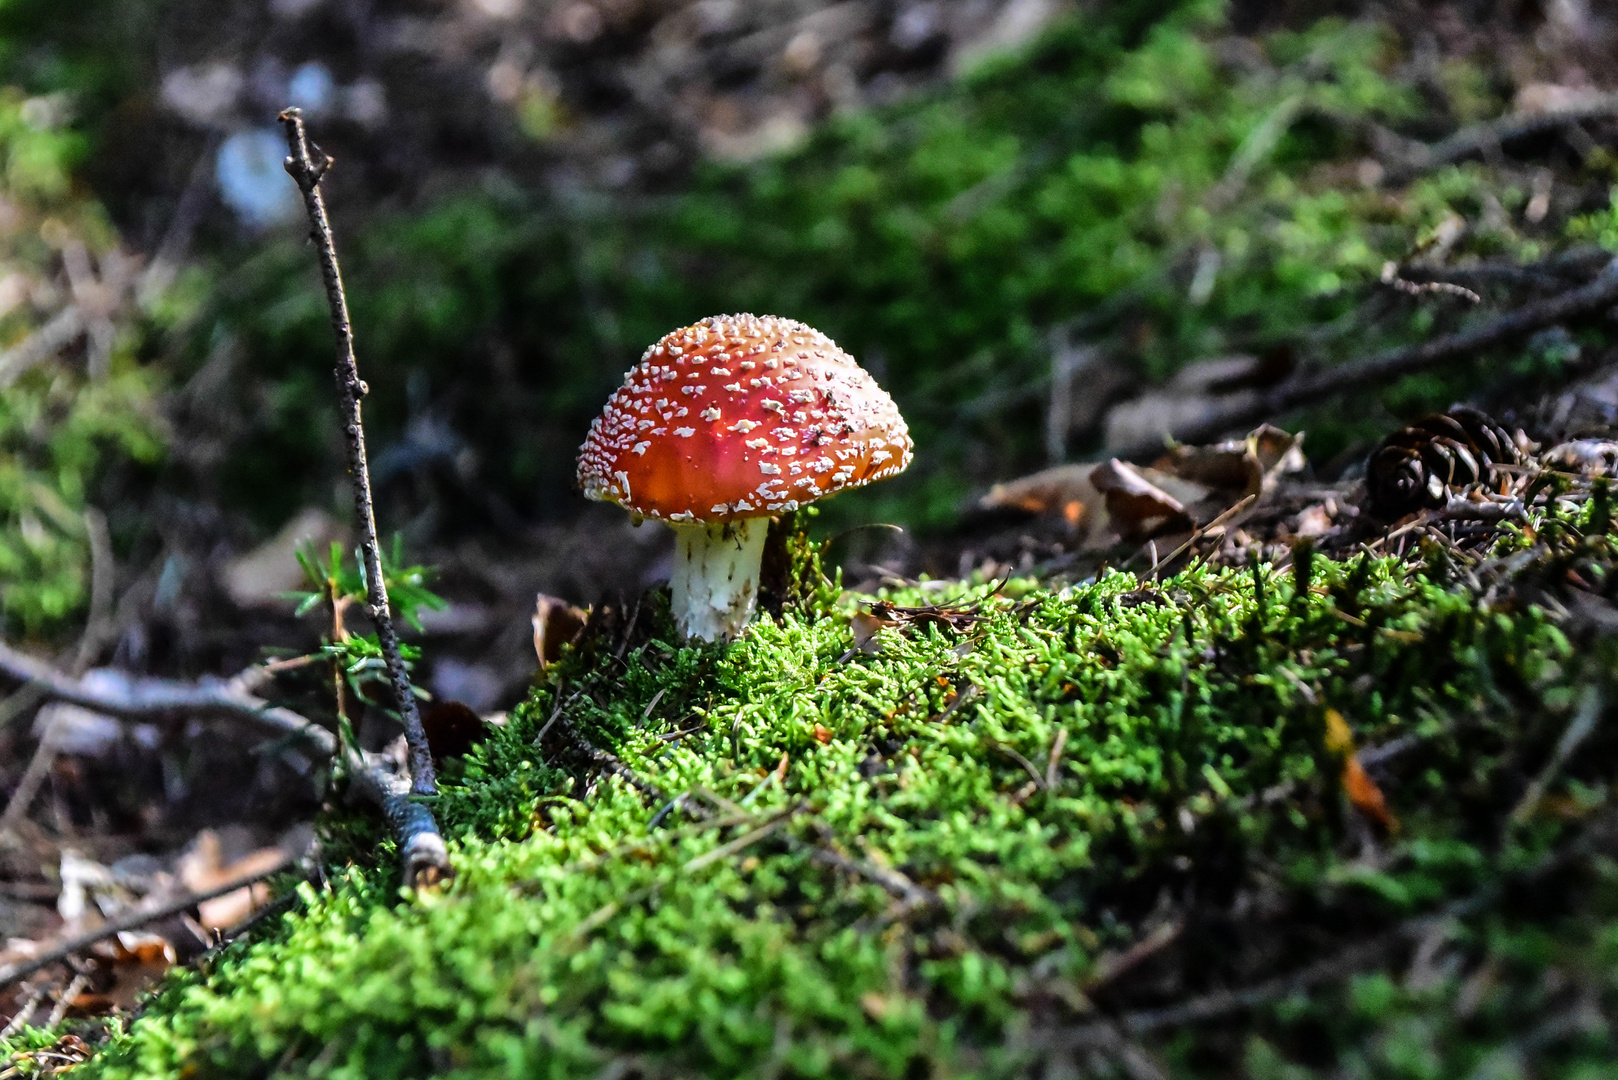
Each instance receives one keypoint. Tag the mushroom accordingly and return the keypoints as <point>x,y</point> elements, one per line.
<point>723,425</point>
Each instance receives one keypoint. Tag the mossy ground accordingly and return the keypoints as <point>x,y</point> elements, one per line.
<point>935,859</point>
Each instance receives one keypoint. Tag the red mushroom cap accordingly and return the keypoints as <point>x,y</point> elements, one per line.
<point>740,416</point>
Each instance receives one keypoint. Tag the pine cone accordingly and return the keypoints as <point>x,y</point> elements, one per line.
<point>1421,466</point>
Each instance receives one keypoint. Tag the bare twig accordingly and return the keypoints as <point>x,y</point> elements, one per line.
<point>133,697</point>
<point>136,697</point>
<point>33,777</point>
<point>1461,509</point>
<point>307,173</point>
<point>1110,966</point>
<point>1491,134</point>
<point>771,825</point>
<point>1570,267</point>
<point>906,891</point>
<point>1307,388</point>
<point>1392,277</point>
<point>1580,728</point>
<point>1053,767</point>
<point>60,331</point>
<point>133,920</point>
<point>66,998</point>
<point>20,1019</point>
<point>603,760</point>
<point>1028,766</point>
<point>1254,150</point>
<point>102,574</point>
<point>1203,530</point>
<point>903,889</point>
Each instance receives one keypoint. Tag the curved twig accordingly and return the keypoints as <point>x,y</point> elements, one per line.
<point>139,697</point>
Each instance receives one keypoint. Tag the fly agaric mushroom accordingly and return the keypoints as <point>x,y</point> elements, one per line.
<point>721,426</point>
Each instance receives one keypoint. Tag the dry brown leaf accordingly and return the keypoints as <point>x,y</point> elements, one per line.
<point>1240,467</point>
<point>1045,491</point>
<point>133,962</point>
<point>203,868</point>
<point>556,623</point>
<point>822,734</point>
<point>1136,506</point>
<point>1366,796</point>
<point>452,728</point>
<point>866,626</point>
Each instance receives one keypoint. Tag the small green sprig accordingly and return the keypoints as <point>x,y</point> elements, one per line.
<point>337,578</point>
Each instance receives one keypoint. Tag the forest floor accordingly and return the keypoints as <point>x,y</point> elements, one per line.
<point>1226,756</point>
<point>1264,781</point>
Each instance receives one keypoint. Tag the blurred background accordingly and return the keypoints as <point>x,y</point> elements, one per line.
<point>1052,229</point>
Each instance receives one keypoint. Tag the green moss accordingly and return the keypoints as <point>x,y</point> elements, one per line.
<point>702,929</point>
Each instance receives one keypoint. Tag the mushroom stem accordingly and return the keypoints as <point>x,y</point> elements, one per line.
<point>715,578</point>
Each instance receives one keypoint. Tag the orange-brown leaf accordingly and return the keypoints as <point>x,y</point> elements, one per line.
<point>1366,796</point>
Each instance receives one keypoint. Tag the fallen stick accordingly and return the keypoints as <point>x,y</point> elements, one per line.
<point>135,697</point>
<point>421,848</point>
<point>423,856</point>
<point>897,884</point>
<point>61,331</point>
<point>1480,138</point>
<point>133,920</point>
<point>1312,387</point>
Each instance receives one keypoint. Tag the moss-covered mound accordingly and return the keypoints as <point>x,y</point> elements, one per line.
<point>1100,828</point>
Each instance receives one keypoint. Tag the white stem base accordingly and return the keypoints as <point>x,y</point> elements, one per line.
<point>715,579</point>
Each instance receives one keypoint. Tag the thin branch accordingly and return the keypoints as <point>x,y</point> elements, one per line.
<point>137,698</point>
<point>65,1000</point>
<point>1580,728</point>
<point>57,334</point>
<point>1491,134</point>
<point>1392,278</point>
<point>899,885</point>
<point>306,172</point>
<point>603,760</point>
<point>133,920</point>
<point>1253,152</point>
<point>103,572</point>
<point>33,778</point>
<point>1559,271</point>
<point>1309,388</point>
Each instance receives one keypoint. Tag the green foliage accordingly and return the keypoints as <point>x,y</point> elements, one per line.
<point>57,428</point>
<point>726,927</point>
<point>338,581</point>
<point>341,575</point>
<point>1131,176</point>
<point>1601,226</point>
